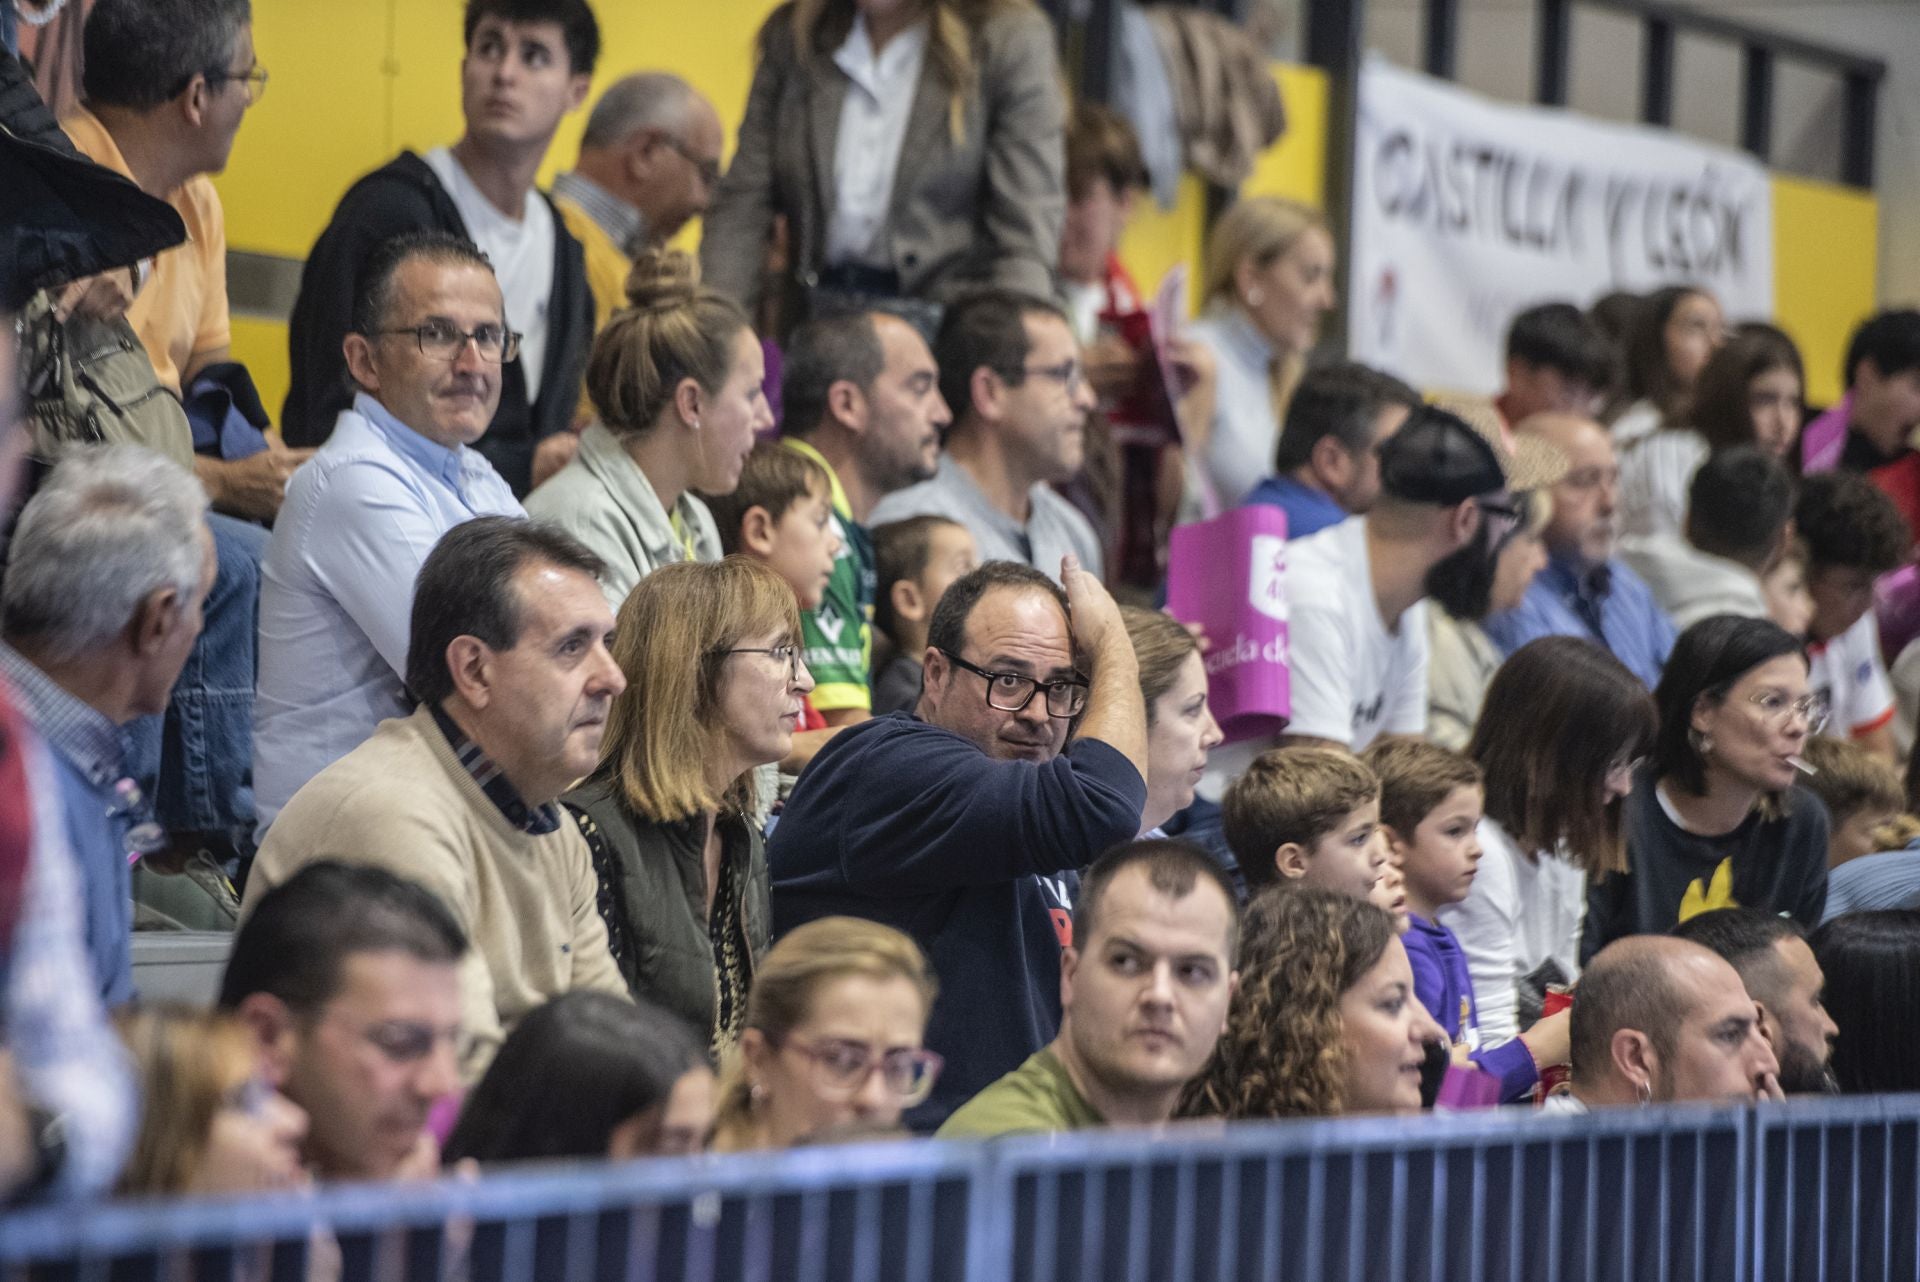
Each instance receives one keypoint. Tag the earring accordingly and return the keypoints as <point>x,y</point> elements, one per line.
<point>1645,1092</point>
<point>757,1093</point>
<point>1255,298</point>
<point>1701,741</point>
<point>694,424</point>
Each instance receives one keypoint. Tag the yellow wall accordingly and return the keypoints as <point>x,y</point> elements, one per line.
<point>1825,260</point>
<point>356,80</point>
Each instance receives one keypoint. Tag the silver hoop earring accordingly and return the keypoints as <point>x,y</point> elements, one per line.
<point>1702,742</point>
<point>1255,298</point>
<point>1645,1092</point>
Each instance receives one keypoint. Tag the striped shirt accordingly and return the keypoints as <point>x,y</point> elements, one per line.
<point>1887,880</point>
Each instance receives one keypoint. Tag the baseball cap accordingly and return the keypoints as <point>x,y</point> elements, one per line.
<point>1531,462</point>
<point>1437,457</point>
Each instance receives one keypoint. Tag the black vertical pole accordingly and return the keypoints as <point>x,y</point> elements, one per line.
<point>1335,30</point>
<point>1861,98</point>
<point>1756,101</point>
<point>1656,73</point>
<point>1555,37</point>
<point>1443,37</point>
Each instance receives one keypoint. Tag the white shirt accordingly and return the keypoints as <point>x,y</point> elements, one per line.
<point>866,151</point>
<point>1656,472</point>
<point>521,250</point>
<point>1522,912</point>
<point>1692,585</point>
<point>1351,678</point>
<point>1239,451</point>
<point>1848,670</point>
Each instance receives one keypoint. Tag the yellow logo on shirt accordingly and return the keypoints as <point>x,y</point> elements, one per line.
<point>1716,893</point>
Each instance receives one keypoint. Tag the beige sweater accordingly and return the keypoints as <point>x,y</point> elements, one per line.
<point>402,801</point>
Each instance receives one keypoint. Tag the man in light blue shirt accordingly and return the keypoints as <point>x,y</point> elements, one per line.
<point>428,341</point>
<point>1587,591</point>
<point>1327,464</point>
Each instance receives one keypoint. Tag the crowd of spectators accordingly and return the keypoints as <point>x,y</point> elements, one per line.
<point>633,703</point>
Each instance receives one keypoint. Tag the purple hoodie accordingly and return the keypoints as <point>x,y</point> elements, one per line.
<point>1441,981</point>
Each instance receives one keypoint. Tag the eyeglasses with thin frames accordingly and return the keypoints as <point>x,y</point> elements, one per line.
<point>1778,711</point>
<point>444,342</point>
<point>1069,373</point>
<point>253,81</point>
<point>789,653</point>
<point>706,166</point>
<point>842,1068</point>
<point>1013,691</point>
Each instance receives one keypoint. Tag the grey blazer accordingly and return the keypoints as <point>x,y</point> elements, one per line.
<point>985,212</point>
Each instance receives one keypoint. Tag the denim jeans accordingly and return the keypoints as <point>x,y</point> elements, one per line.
<point>197,760</point>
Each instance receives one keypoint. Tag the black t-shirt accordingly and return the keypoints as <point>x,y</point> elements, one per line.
<point>1777,865</point>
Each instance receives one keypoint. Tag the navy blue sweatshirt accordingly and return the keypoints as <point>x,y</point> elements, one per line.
<point>904,823</point>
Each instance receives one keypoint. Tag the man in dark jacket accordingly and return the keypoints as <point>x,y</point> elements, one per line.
<point>521,74</point>
<point>964,824</point>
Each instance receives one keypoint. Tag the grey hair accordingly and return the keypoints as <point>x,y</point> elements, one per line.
<point>644,100</point>
<point>112,525</point>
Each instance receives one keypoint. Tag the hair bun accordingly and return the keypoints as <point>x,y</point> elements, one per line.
<point>662,279</point>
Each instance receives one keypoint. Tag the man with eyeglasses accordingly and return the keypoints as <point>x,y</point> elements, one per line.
<point>1010,371</point>
<point>1587,590</point>
<point>964,824</point>
<point>428,344</point>
<point>649,161</point>
<point>527,65</point>
<point>349,978</point>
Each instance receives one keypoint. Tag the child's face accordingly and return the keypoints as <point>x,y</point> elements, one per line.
<point>1349,859</point>
<point>950,555</point>
<point>1390,892</point>
<point>806,539</point>
<point>1789,604</point>
<point>1853,836</point>
<point>1442,853</point>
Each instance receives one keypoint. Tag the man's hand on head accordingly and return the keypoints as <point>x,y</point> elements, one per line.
<point>1091,612</point>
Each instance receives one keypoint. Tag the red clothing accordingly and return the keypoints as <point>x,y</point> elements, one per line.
<point>1900,481</point>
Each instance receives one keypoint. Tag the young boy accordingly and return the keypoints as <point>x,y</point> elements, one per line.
<point>1307,815</point>
<point>917,561</point>
<point>781,513</point>
<point>1862,793</point>
<point>1854,534</point>
<point>1430,808</point>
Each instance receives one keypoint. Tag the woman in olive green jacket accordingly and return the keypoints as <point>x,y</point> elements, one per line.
<point>715,686</point>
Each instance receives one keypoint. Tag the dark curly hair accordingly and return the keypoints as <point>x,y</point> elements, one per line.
<point>1846,521</point>
<point>1281,1054</point>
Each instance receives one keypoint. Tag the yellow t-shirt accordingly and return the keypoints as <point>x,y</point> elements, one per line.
<point>181,312</point>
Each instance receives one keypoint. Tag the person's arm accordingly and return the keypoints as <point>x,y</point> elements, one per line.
<point>253,487</point>
<point>67,1061</point>
<point>1024,202</point>
<point>1813,835</point>
<point>734,231</point>
<point>1116,713</point>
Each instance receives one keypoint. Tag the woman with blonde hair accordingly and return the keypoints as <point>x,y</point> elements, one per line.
<point>211,1122</point>
<point>1325,1021</point>
<point>675,380</point>
<point>915,148</point>
<point>833,1038</point>
<point>1181,730</point>
<point>1269,280</point>
<point>715,683</point>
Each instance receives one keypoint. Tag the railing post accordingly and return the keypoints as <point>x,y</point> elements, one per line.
<point>1756,100</point>
<point>1656,72</point>
<point>1553,52</point>
<point>1443,37</point>
<point>1861,99</point>
<point>1335,30</point>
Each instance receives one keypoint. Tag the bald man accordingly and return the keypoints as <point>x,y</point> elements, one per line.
<point>1658,1020</point>
<point>1586,591</point>
<point>649,161</point>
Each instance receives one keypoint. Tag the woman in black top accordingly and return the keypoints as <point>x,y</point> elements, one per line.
<point>1714,819</point>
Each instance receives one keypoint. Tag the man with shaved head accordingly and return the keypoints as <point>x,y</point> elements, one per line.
<point>1658,1020</point>
<point>1586,591</point>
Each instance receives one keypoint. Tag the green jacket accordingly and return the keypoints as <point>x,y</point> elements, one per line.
<point>653,893</point>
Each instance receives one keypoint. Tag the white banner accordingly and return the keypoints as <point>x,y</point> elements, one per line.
<point>1466,211</point>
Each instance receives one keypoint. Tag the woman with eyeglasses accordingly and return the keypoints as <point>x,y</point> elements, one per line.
<point>1715,819</point>
<point>832,1045</point>
<point>1561,727</point>
<point>676,381</point>
<point>714,689</point>
<point>212,1123</point>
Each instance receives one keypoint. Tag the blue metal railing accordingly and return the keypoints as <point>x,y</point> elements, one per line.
<point>1808,1190</point>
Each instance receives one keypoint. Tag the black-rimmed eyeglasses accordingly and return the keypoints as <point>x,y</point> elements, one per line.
<point>443,342</point>
<point>1012,692</point>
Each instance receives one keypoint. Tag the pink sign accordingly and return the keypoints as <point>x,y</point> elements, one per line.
<point>1229,576</point>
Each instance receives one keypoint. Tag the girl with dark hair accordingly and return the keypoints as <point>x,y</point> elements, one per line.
<point>1715,820</point>
<point>1562,725</point>
<point>1674,332</point>
<point>1748,394</point>
<point>1325,1020</point>
<point>589,1076</point>
<point>1872,964</point>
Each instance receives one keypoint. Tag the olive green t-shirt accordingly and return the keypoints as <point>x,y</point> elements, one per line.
<point>1035,1098</point>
